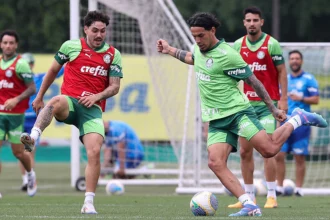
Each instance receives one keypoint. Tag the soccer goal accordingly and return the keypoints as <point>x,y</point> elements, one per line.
<point>317,179</point>
<point>156,92</point>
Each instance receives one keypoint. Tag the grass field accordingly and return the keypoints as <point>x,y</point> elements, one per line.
<point>57,200</point>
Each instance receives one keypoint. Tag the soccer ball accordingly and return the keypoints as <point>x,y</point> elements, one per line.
<point>204,204</point>
<point>114,187</point>
<point>260,187</point>
<point>288,187</point>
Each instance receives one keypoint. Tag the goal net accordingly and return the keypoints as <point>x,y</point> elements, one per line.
<point>156,92</point>
<point>317,180</point>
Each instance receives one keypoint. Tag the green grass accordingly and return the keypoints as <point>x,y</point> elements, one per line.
<point>57,200</point>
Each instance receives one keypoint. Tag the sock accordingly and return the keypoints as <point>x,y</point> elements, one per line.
<point>298,189</point>
<point>245,199</point>
<point>280,189</point>
<point>249,189</point>
<point>25,179</point>
<point>271,187</point>
<point>35,133</point>
<point>295,121</point>
<point>89,197</point>
<point>30,173</point>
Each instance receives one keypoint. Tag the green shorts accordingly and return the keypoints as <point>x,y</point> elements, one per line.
<point>11,125</point>
<point>87,120</point>
<point>227,130</point>
<point>265,117</point>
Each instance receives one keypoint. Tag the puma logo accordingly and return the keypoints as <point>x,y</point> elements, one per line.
<point>89,55</point>
<point>246,54</point>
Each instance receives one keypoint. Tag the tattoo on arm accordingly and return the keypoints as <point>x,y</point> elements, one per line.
<point>113,88</point>
<point>181,54</point>
<point>45,117</point>
<point>261,91</point>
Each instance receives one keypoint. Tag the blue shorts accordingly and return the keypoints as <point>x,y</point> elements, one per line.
<point>28,125</point>
<point>298,141</point>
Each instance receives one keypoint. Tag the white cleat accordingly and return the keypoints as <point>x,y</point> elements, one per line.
<point>27,141</point>
<point>88,208</point>
<point>32,184</point>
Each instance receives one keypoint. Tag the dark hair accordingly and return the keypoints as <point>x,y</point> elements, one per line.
<point>10,33</point>
<point>203,19</point>
<point>296,51</point>
<point>93,16</point>
<point>253,10</point>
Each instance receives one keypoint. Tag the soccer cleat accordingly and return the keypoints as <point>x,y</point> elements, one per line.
<point>238,205</point>
<point>310,119</point>
<point>27,141</point>
<point>248,210</point>
<point>299,194</point>
<point>32,184</point>
<point>270,203</point>
<point>88,208</point>
<point>278,193</point>
<point>24,187</point>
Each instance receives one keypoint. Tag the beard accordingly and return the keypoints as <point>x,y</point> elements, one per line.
<point>253,32</point>
<point>295,69</point>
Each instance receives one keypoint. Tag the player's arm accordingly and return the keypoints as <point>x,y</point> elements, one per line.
<point>122,156</point>
<point>182,55</point>
<point>278,60</point>
<point>312,97</point>
<point>107,154</point>
<point>111,90</point>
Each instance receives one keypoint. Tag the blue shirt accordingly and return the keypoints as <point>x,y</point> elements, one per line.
<point>122,132</point>
<point>304,84</point>
<point>38,78</point>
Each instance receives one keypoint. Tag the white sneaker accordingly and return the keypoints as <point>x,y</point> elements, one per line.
<point>32,184</point>
<point>88,208</point>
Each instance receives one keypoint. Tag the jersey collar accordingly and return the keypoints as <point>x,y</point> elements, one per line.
<point>257,41</point>
<point>295,77</point>
<point>12,58</point>
<point>100,47</point>
<point>221,40</point>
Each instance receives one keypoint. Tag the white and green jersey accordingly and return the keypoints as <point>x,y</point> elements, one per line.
<point>218,72</point>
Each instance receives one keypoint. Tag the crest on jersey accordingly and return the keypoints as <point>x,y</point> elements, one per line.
<point>261,55</point>
<point>9,73</point>
<point>299,85</point>
<point>107,58</point>
<point>209,63</point>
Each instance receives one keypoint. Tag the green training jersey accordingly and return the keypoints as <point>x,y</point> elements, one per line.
<point>274,48</point>
<point>71,49</point>
<point>218,72</point>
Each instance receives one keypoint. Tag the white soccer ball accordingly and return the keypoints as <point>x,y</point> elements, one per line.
<point>288,187</point>
<point>114,187</point>
<point>204,204</point>
<point>260,187</point>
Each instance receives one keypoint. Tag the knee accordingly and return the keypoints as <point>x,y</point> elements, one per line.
<point>216,164</point>
<point>245,153</point>
<point>93,153</point>
<point>19,154</point>
<point>268,153</point>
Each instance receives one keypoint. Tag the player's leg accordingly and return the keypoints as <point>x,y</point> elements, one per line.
<point>280,165</point>
<point>221,143</point>
<point>59,107</point>
<point>247,168</point>
<point>300,150</point>
<point>91,128</point>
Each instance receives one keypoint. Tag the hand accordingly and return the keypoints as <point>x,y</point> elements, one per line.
<point>37,105</point>
<point>163,46</point>
<point>283,104</point>
<point>279,115</point>
<point>88,101</point>
<point>296,96</point>
<point>121,174</point>
<point>11,103</point>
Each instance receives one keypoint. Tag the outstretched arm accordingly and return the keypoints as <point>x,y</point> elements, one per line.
<point>184,56</point>
<point>263,94</point>
<point>283,81</point>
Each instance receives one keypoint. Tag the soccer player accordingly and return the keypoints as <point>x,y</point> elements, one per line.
<point>16,86</point>
<point>303,92</point>
<point>123,142</point>
<point>263,54</point>
<point>92,74</point>
<point>30,115</point>
<point>218,69</point>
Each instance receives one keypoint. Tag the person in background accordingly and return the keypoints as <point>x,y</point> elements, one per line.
<point>303,91</point>
<point>30,115</point>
